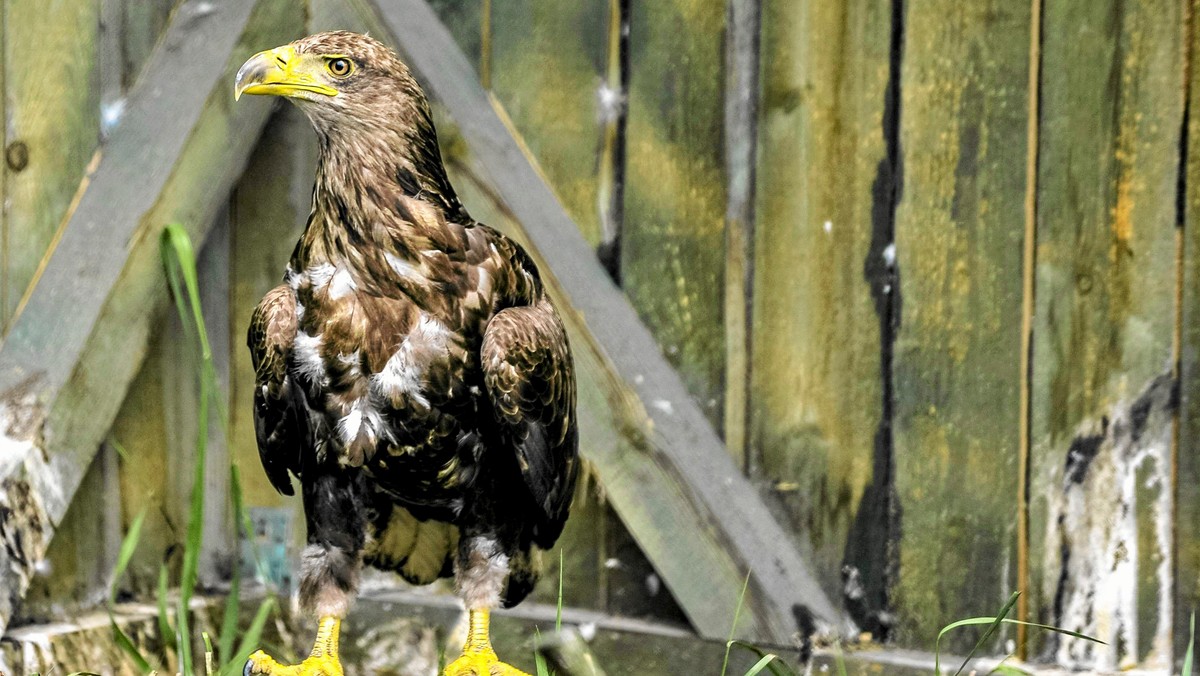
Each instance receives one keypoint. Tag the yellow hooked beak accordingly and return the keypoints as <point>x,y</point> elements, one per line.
<point>281,72</point>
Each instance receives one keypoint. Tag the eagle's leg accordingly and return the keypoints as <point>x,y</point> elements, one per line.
<point>480,574</point>
<point>329,571</point>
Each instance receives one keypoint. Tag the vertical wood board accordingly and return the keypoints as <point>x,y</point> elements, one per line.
<point>53,125</point>
<point>1110,122</point>
<point>815,394</point>
<point>959,228</point>
<point>1187,514</point>
<point>548,72</point>
<point>673,244</point>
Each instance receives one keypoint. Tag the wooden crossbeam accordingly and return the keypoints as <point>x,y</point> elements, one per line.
<point>665,470</point>
<point>82,333</point>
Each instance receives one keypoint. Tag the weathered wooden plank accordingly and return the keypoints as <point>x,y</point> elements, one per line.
<point>958,229</point>
<point>741,145</point>
<point>74,575</point>
<point>1187,446</point>
<point>140,430</point>
<point>174,158</point>
<point>816,400</point>
<point>1110,120</point>
<point>673,238</point>
<point>143,24</point>
<point>53,129</point>
<point>549,60</point>
<point>662,465</point>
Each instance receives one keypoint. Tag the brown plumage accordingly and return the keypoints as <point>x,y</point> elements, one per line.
<point>410,370</point>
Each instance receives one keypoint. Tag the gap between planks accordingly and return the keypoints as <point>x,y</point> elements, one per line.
<point>1028,304</point>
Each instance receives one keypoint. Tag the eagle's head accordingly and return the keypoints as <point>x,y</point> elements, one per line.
<point>344,82</point>
<point>373,123</point>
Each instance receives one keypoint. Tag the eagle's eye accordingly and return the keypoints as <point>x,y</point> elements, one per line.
<point>340,66</point>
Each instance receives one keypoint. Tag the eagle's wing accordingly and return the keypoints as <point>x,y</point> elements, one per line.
<point>278,424</point>
<point>529,378</point>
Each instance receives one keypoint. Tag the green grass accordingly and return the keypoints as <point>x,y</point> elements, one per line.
<point>229,654</point>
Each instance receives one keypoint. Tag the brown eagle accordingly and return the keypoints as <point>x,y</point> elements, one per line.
<point>410,370</point>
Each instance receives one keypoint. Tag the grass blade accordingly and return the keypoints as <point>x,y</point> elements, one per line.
<point>165,631</point>
<point>250,639</point>
<point>126,645</point>
<point>777,667</point>
<point>1187,657</point>
<point>128,547</point>
<point>179,261</point>
<point>558,610</point>
<point>761,664</point>
<point>993,624</point>
<point>232,603</point>
<point>539,663</point>
<point>737,613</point>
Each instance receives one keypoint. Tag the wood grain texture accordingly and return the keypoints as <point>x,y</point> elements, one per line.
<point>1110,124</point>
<point>1187,471</point>
<point>815,391</point>
<point>139,428</point>
<point>548,63</point>
<point>174,159</point>
<point>959,229</point>
<point>665,470</point>
<point>74,575</point>
<point>673,239</point>
<point>53,128</point>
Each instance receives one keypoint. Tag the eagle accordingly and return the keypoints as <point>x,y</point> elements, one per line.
<point>410,370</point>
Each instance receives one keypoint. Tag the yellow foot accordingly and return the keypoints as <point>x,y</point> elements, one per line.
<point>262,663</point>
<point>323,661</point>
<point>481,663</point>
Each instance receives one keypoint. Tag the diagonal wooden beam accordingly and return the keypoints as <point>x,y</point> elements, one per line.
<point>667,473</point>
<point>81,335</point>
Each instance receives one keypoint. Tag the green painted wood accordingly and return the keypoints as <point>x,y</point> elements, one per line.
<point>815,387</point>
<point>1187,495</point>
<point>673,239</point>
<point>548,64</point>
<point>53,129</point>
<point>1110,123</point>
<point>958,228</point>
<point>140,429</point>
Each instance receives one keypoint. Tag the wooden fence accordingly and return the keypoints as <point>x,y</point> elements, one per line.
<point>929,267</point>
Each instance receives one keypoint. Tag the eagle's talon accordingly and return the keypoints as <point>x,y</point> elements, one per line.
<point>263,664</point>
<point>481,663</point>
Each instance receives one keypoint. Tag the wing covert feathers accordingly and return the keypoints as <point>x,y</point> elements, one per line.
<point>277,422</point>
<point>528,374</point>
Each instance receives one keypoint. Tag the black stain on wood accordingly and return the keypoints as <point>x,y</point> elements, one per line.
<point>1082,452</point>
<point>870,550</point>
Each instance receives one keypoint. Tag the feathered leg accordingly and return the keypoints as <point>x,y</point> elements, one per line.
<point>480,574</point>
<point>329,572</point>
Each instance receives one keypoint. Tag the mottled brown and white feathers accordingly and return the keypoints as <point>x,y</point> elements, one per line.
<point>411,347</point>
